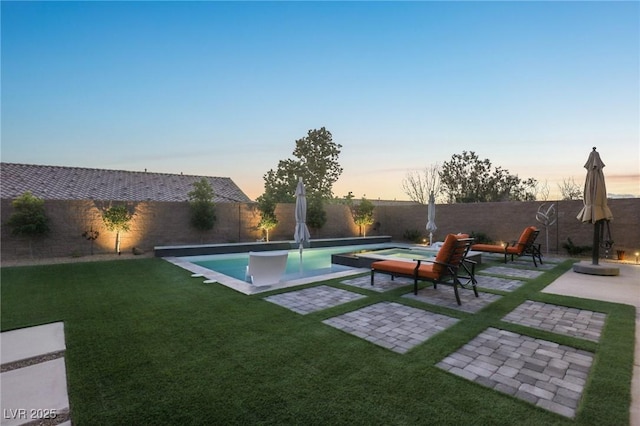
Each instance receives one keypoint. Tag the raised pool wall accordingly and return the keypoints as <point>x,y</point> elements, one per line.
<point>167,223</point>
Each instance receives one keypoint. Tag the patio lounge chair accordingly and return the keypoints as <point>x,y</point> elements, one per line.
<point>450,261</point>
<point>266,267</point>
<point>524,246</point>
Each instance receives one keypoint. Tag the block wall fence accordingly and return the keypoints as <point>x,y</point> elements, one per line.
<point>167,223</point>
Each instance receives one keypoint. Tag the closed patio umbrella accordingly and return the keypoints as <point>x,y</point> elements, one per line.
<point>595,208</point>
<point>431,217</point>
<point>301,233</point>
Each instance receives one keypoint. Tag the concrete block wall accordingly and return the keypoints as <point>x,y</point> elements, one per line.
<point>167,223</point>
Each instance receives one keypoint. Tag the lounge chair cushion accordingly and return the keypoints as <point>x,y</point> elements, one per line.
<point>401,267</point>
<point>443,254</point>
<point>517,249</point>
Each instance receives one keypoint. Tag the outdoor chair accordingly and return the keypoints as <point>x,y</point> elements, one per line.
<point>524,246</point>
<point>266,267</point>
<point>449,267</point>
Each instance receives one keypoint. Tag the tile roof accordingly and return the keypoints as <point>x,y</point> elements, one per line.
<point>76,183</point>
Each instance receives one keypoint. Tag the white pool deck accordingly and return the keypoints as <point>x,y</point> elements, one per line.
<point>40,388</point>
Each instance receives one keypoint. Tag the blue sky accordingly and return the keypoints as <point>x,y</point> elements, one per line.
<point>226,88</point>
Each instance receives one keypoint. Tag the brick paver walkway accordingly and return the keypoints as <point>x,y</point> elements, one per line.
<point>444,296</point>
<point>559,319</point>
<point>313,299</point>
<point>546,374</point>
<point>392,325</point>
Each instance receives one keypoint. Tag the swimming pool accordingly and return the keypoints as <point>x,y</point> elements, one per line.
<point>315,262</point>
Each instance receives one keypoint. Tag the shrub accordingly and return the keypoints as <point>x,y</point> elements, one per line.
<point>413,235</point>
<point>575,250</point>
<point>480,238</point>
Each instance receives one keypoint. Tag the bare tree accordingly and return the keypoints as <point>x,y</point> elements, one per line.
<point>418,185</point>
<point>544,191</point>
<point>570,190</point>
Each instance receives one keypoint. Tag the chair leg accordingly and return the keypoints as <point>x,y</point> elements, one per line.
<point>455,290</point>
<point>372,272</point>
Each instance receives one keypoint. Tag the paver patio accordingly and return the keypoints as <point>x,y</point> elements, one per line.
<point>444,296</point>
<point>512,272</point>
<point>495,283</point>
<point>559,319</point>
<point>382,283</point>
<point>313,299</point>
<point>544,373</point>
<point>392,325</point>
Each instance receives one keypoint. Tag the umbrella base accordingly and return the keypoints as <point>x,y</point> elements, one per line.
<point>590,269</point>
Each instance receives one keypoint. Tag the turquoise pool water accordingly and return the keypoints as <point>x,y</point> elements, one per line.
<point>403,253</point>
<point>315,261</point>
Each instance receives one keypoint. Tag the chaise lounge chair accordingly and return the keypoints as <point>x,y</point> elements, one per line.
<point>524,246</point>
<point>449,262</point>
<point>266,267</point>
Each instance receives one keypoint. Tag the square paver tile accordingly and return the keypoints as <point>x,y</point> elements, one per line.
<point>313,299</point>
<point>512,272</point>
<point>558,319</point>
<point>445,296</point>
<point>382,282</point>
<point>543,373</point>
<point>392,325</point>
<point>495,283</point>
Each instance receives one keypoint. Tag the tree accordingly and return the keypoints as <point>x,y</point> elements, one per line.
<point>362,214</point>
<point>569,189</point>
<point>467,179</point>
<point>203,212</point>
<point>418,185</point>
<point>316,162</point>
<point>544,191</point>
<point>29,218</point>
<point>316,215</point>
<point>267,208</point>
<point>116,218</point>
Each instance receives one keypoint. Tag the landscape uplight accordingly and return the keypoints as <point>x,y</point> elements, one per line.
<point>637,254</point>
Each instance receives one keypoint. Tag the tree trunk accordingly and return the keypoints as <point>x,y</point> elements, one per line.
<point>118,242</point>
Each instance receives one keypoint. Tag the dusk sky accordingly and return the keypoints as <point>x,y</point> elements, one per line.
<point>226,88</point>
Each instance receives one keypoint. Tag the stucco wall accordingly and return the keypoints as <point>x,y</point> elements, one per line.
<point>167,223</point>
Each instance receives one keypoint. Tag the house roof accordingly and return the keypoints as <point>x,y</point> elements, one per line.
<point>76,183</point>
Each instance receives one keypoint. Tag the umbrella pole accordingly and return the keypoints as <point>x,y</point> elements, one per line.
<point>596,243</point>
<point>300,258</point>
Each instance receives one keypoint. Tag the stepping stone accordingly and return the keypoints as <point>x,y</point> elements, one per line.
<point>313,299</point>
<point>543,373</point>
<point>512,272</point>
<point>558,319</point>
<point>382,283</point>
<point>444,296</point>
<point>392,325</point>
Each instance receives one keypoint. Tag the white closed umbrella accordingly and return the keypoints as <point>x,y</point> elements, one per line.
<point>301,233</point>
<point>431,217</point>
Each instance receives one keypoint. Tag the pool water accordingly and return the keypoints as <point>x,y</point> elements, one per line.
<point>402,253</point>
<point>315,261</point>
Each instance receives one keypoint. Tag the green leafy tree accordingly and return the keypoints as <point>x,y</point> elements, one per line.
<point>117,218</point>
<point>203,211</point>
<point>316,161</point>
<point>467,179</point>
<point>316,215</point>
<point>362,214</point>
<point>268,219</point>
<point>29,218</point>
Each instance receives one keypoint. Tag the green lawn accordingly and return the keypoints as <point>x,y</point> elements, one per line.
<point>148,344</point>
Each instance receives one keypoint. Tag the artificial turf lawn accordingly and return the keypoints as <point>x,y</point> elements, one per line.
<point>148,344</point>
